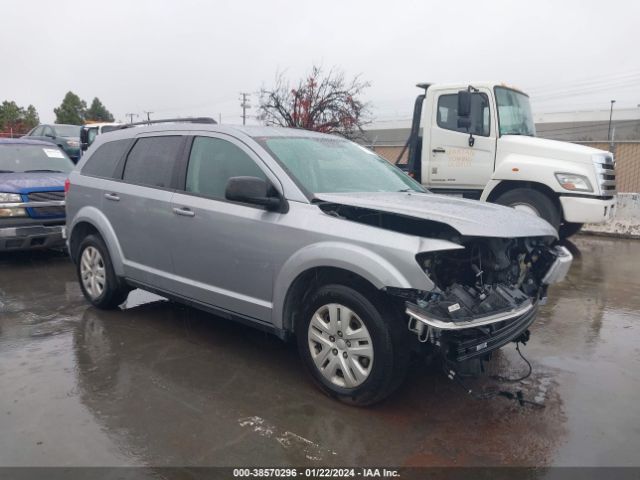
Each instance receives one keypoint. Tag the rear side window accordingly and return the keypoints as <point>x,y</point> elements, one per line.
<point>103,162</point>
<point>213,162</point>
<point>152,161</point>
<point>448,114</point>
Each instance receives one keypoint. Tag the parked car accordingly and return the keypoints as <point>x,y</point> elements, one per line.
<point>32,177</point>
<point>67,137</point>
<point>312,236</point>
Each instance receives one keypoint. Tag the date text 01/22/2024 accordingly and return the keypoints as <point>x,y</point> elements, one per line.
<point>315,473</point>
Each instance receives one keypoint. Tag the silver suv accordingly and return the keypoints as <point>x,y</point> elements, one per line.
<point>311,236</point>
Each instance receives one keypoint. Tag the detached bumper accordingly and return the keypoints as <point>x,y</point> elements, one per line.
<point>587,210</point>
<point>31,237</point>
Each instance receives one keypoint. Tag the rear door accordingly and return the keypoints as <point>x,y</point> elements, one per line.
<point>138,207</point>
<point>454,164</point>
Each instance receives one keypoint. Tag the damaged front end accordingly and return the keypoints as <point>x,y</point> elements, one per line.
<point>486,294</point>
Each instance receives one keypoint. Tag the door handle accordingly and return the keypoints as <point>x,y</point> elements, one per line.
<point>112,196</point>
<point>184,211</point>
<point>438,150</point>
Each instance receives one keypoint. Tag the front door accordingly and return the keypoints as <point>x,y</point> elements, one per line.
<point>224,251</point>
<point>454,163</point>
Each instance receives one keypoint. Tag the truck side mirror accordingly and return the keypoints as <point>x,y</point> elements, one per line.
<point>84,139</point>
<point>464,103</point>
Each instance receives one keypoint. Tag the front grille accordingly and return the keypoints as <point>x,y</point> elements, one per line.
<point>605,168</point>
<point>39,212</point>
<point>45,196</point>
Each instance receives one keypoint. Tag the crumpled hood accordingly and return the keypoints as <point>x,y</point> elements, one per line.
<point>22,182</point>
<point>469,217</point>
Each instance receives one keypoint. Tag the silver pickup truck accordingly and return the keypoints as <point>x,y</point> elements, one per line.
<point>309,236</point>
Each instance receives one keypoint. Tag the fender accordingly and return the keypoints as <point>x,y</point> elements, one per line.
<point>96,218</point>
<point>361,261</point>
<point>535,169</point>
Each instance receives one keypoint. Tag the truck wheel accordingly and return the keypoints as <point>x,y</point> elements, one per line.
<point>352,350</point>
<point>567,229</point>
<point>531,201</point>
<point>98,281</point>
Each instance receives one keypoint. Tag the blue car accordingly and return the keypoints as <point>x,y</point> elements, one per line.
<point>32,182</point>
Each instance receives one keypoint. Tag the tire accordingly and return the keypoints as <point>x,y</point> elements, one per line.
<point>93,256</point>
<point>375,369</point>
<point>540,203</point>
<point>567,229</point>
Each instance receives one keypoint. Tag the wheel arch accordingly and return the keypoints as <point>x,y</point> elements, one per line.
<point>503,186</point>
<point>90,220</point>
<point>329,262</point>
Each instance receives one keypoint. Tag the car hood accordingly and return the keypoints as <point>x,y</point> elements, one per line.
<point>469,217</point>
<point>543,147</point>
<point>24,182</point>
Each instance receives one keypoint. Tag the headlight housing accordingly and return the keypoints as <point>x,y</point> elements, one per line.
<point>10,198</point>
<point>6,210</point>
<point>573,182</point>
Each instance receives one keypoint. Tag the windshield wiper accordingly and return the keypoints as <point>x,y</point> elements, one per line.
<point>406,190</point>
<point>7,171</point>
<point>43,170</point>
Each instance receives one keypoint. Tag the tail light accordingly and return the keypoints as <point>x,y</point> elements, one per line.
<point>67,186</point>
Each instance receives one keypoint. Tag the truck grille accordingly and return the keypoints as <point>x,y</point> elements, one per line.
<point>38,212</point>
<point>605,168</point>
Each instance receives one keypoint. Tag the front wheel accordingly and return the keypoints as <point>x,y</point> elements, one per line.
<point>353,352</point>
<point>567,229</point>
<point>533,202</point>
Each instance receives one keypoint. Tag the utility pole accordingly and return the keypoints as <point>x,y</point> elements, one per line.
<point>610,117</point>
<point>245,105</point>
<point>148,115</point>
<point>131,115</point>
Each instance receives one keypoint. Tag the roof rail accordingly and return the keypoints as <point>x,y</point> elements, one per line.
<point>208,120</point>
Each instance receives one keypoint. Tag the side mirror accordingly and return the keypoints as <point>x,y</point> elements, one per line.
<point>464,103</point>
<point>84,139</point>
<point>50,135</point>
<point>252,190</point>
<point>464,122</point>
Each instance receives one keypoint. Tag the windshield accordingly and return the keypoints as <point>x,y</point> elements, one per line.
<point>333,165</point>
<point>514,113</point>
<point>67,130</point>
<point>24,158</point>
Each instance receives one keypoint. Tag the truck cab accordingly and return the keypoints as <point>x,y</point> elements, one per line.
<point>479,141</point>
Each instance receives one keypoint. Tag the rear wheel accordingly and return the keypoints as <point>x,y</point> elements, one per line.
<point>98,281</point>
<point>533,202</point>
<point>353,351</point>
<point>567,229</point>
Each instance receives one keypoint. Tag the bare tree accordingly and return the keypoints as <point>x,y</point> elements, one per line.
<point>322,102</point>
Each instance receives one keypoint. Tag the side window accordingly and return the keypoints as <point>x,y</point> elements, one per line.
<point>48,131</point>
<point>103,162</point>
<point>151,161</point>
<point>447,115</point>
<point>213,162</point>
<point>38,131</point>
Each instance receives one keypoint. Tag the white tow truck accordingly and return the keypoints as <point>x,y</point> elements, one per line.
<point>478,141</point>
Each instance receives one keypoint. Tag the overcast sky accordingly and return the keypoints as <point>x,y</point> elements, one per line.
<point>189,57</point>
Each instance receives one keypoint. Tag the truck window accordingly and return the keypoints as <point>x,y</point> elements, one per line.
<point>447,116</point>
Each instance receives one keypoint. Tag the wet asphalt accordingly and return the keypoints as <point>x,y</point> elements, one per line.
<point>162,384</point>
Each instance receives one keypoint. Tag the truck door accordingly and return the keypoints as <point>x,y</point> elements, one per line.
<point>453,163</point>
